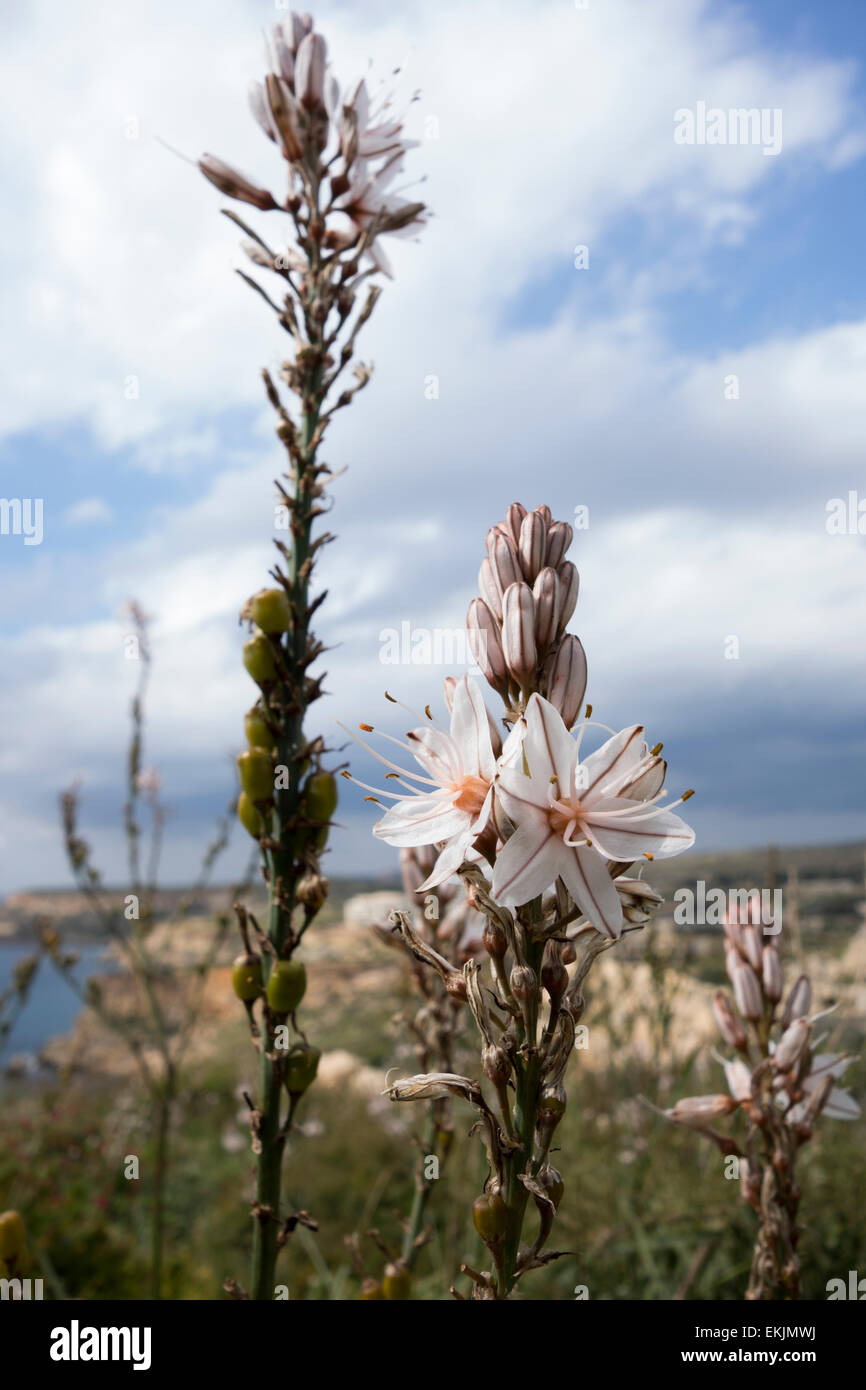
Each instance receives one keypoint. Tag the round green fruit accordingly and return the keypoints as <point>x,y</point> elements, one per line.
<point>301,1068</point>
<point>489,1216</point>
<point>257,729</point>
<point>249,816</point>
<point>287,985</point>
<point>247,977</point>
<point>397,1282</point>
<point>259,659</point>
<point>256,769</point>
<point>270,610</point>
<point>13,1237</point>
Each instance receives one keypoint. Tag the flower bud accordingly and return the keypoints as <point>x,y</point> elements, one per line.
<point>559,538</point>
<point>489,1217</point>
<point>729,1025</point>
<point>771,971</point>
<point>247,977</point>
<point>486,646</point>
<point>531,546</point>
<point>566,684</point>
<point>504,565</point>
<point>259,108</point>
<point>284,117</point>
<point>259,659</point>
<point>514,519</point>
<point>310,62</point>
<point>747,992</point>
<point>752,947</point>
<point>798,1002</point>
<point>287,984</point>
<point>518,633</point>
<point>699,1110</point>
<point>233,184</point>
<point>488,589</point>
<point>569,584</point>
<point>545,594</point>
<point>791,1044</point>
<point>256,768</point>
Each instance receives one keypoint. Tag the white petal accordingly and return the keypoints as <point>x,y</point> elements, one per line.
<point>585,875</point>
<point>610,764</point>
<point>421,820</point>
<point>438,754</point>
<point>841,1106</point>
<point>646,784</point>
<point>521,795</point>
<point>470,730</point>
<point>527,864</point>
<point>662,834</point>
<point>548,747</point>
<point>449,861</point>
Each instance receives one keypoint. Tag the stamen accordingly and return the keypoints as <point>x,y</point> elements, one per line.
<point>387,761</point>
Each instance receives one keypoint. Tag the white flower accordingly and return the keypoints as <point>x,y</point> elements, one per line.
<point>572,816</point>
<point>840,1105</point>
<point>450,804</point>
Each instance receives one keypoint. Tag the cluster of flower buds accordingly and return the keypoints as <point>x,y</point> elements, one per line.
<point>350,142</point>
<point>517,627</point>
<point>780,1083</point>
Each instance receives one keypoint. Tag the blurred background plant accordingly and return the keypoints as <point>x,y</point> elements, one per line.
<point>156,1014</point>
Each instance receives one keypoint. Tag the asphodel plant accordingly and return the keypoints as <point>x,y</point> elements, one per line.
<point>542,836</point>
<point>342,152</point>
<point>779,1083</point>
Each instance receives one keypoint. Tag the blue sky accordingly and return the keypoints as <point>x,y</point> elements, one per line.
<point>601,387</point>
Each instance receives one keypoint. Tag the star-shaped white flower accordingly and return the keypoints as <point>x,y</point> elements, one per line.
<point>450,804</point>
<point>572,816</point>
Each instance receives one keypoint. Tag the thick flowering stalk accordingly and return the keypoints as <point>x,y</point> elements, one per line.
<point>780,1083</point>
<point>343,152</point>
<point>541,837</point>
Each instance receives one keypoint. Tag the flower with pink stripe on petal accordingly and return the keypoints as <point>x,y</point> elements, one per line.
<point>573,817</point>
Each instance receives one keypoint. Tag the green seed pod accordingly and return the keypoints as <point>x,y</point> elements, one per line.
<point>301,1068</point>
<point>13,1237</point>
<point>259,659</point>
<point>320,796</point>
<point>371,1289</point>
<point>550,1179</point>
<point>256,769</point>
<point>249,816</point>
<point>257,730</point>
<point>287,985</point>
<point>489,1216</point>
<point>270,610</point>
<point>247,977</point>
<point>397,1281</point>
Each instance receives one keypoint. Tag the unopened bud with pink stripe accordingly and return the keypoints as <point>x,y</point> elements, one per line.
<point>791,1044</point>
<point>701,1110</point>
<point>799,1001</point>
<point>729,1025</point>
<point>566,684</point>
<point>747,992</point>
<point>518,633</point>
<point>486,646</point>
<point>771,970</point>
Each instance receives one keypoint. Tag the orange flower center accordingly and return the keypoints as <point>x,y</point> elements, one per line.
<point>471,792</point>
